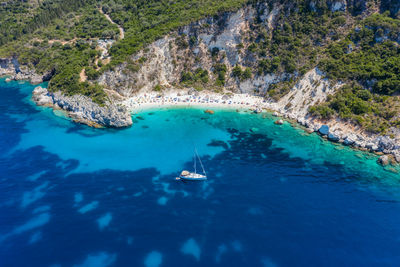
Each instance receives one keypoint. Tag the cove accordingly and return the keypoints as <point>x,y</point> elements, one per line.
<point>276,196</point>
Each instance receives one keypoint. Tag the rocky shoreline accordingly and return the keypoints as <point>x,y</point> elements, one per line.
<point>83,110</point>
<point>334,130</point>
<point>16,72</point>
<point>80,108</point>
<point>384,146</point>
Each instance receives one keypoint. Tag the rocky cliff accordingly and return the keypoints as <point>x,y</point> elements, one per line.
<point>226,40</point>
<point>83,110</point>
<point>222,40</point>
<point>11,67</point>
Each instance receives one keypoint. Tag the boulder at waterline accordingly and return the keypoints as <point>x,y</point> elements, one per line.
<point>384,160</point>
<point>324,130</point>
<point>333,137</point>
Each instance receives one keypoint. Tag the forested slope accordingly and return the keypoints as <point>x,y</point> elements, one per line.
<point>57,36</point>
<point>354,42</point>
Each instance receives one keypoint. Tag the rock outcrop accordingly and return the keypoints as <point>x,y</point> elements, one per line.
<point>17,72</point>
<point>324,130</point>
<point>384,160</point>
<point>83,109</point>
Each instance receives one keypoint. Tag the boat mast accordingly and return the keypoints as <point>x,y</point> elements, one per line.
<point>204,171</point>
<point>194,160</point>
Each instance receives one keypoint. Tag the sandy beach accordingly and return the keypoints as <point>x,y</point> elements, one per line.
<point>204,99</point>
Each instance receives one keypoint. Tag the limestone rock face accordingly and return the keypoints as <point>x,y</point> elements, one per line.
<point>349,140</point>
<point>191,47</point>
<point>41,97</point>
<point>10,66</point>
<point>6,67</point>
<point>311,89</point>
<point>84,110</point>
<point>385,143</point>
<point>338,6</point>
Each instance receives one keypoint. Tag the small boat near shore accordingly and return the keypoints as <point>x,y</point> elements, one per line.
<point>193,176</point>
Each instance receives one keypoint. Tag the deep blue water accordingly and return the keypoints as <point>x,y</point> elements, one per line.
<point>75,196</point>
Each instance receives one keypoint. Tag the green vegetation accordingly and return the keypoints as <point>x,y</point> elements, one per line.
<point>59,36</point>
<point>375,113</point>
<point>295,45</point>
<point>157,88</point>
<point>368,60</point>
<point>368,56</point>
<point>220,70</point>
<point>198,76</point>
<point>20,18</point>
<point>242,75</point>
<point>146,21</point>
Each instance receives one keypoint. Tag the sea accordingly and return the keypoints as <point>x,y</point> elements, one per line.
<point>71,195</point>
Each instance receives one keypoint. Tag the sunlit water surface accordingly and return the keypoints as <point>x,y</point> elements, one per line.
<point>75,196</point>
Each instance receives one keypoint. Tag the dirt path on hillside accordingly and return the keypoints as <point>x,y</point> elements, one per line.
<point>121,30</point>
<point>82,76</point>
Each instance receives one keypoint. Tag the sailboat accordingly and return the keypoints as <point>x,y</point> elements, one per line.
<point>193,176</point>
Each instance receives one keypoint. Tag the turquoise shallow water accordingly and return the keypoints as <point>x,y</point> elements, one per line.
<point>76,196</point>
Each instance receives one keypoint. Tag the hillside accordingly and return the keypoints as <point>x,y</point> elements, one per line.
<point>110,50</point>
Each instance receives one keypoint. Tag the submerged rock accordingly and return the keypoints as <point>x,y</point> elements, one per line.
<point>384,160</point>
<point>254,130</point>
<point>279,122</point>
<point>309,130</point>
<point>324,130</point>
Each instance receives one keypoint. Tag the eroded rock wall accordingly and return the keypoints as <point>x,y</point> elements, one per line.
<point>202,44</point>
